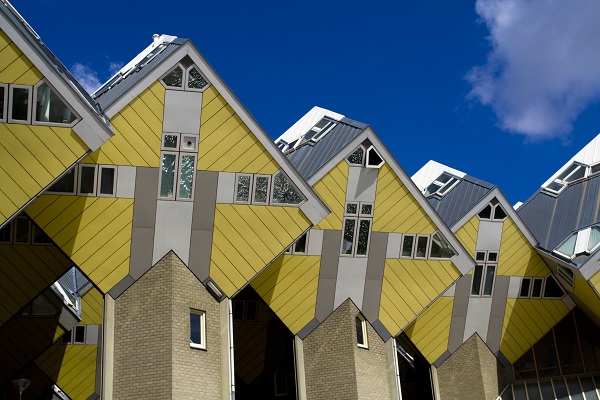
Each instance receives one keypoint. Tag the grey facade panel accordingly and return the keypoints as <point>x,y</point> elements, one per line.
<point>200,251</point>
<point>146,192</point>
<point>374,277</point>
<point>308,328</point>
<point>330,254</point>
<point>325,298</point>
<point>381,330</point>
<point>121,287</point>
<point>205,195</point>
<point>497,314</point>
<point>142,240</point>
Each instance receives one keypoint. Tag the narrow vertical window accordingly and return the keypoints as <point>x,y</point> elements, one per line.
<point>421,250</point>
<point>197,329</point>
<point>280,383</point>
<point>536,290</point>
<point>3,102</point>
<point>106,181</point>
<point>186,176</point>
<point>251,310</point>
<point>22,230</point>
<point>20,104</point>
<point>362,243</point>
<point>490,273</point>
<point>476,284</point>
<point>167,175</point>
<point>6,233</point>
<point>525,285</point>
<point>79,334</point>
<point>407,246</point>
<point>261,189</point>
<point>361,331</point>
<point>348,236</point>
<point>242,189</point>
<point>87,179</point>
<point>484,273</point>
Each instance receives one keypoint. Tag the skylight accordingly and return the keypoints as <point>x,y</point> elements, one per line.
<point>573,173</point>
<point>583,242</point>
<point>441,185</point>
<point>314,134</point>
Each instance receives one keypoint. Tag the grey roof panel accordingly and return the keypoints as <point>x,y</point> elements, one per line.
<point>311,157</point>
<point>458,201</point>
<point>120,84</point>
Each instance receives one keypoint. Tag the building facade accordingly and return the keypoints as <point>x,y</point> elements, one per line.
<point>155,243</point>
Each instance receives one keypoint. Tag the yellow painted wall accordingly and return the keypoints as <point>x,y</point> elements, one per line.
<point>15,67</point>
<point>517,257</point>
<point>91,307</point>
<point>409,286</point>
<point>250,349</point>
<point>138,132</point>
<point>246,238</point>
<point>467,234</point>
<point>396,209</point>
<point>585,293</point>
<point>72,368</point>
<point>526,321</point>
<point>331,188</point>
<point>25,271</point>
<point>226,143</point>
<point>289,287</point>
<point>95,232</point>
<point>429,332</point>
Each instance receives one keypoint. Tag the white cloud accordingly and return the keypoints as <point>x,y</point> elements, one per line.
<point>114,67</point>
<point>544,67</point>
<point>86,77</point>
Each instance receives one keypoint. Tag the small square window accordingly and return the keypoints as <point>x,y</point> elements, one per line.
<point>87,180</point>
<point>189,143</point>
<point>170,142</point>
<point>20,104</point>
<point>366,209</point>
<point>492,256</point>
<point>480,256</point>
<point>351,208</point>
<point>197,329</point>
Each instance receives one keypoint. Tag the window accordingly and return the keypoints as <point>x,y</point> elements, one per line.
<point>245,310</point>
<point>565,275</point>
<point>407,246</point>
<point>573,173</point>
<point>280,382</point>
<point>583,242</point>
<point>536,288</point>
<point>441,185</point>
<point>178,166</point>
<point>187,73</point>
<point>6,233</point>
<point>492,212</point>
<point>21,231</point>
<point>243,188</point>
<point>299,246</point>
<point>284,191</point>
<point>357,229</point>
<point>357,157</point>
<point>50,108</point>
<point>20,104</point>
<point>87,180</point>
<point>484,273</point>
<point>74,336</point>
<point>107,180</point>
<point>262,185</point>
<point>3,101</point>
<point>197,329</point>
<point>361,331</point>
<point>66,183</point>
<point>421,247</point>
<point>369,158</point>
<point>374,159</point>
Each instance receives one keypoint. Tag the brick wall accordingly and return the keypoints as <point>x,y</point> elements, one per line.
<point>153,358</point>
<point>472,372</point>
<point>371,368</point>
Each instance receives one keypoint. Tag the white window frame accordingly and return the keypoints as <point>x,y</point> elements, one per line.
<point>331,123</point>
<point>360,213</point>
<point>75,334</point>
<point>175,177</point>
<point>4,102</point>
<point>179,152</point>
<point>452,182</point>
<point>10,104</point>
<point>170,149</point>
<point>350,214</point>
<point>564,181</point>
<point>363,325</point>
<point>34,108</point>
<point>358,219</point>
<point>250,189</point>
<point>293,246</point>
<point>183,76</point>
<point>485,263</point>
<point>95,180</point>
<point>412,250</point>
<point>202,344</point>
<point>362,161</point>
<point>253,193</point>
<point>99,180</point>
<point>298,191</point>
<point>178,176</point>
<point>416,243</point>
<point>187,75</point>
<point>367,157</point>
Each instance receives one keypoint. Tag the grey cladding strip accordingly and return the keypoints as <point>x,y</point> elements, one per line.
<point>459,313</point>
<point>442,358</point>
<point>121,287</point>
<point>497,314</point>
<point>374,278</point>
<point>308,328</point>
<point>328,273</point>
<point>381,330</point>
<point>203,219</point>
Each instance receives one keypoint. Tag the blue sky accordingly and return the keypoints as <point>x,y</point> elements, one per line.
<point>504,90</point>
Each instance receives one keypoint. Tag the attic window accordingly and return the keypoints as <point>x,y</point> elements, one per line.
<point>573,173</point>
<point>374,160</point>
<point>284,191</point>
<point>441,185</point>
<point>50,107</point>
<point>492,212</point>
<point>357,157</point>
<point>186,72</point>
<point>583,242</point>
<point>174,78</point>
<point>320,129</point>
<point>195,79</point>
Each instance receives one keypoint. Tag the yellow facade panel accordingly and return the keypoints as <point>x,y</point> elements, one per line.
<point>517,257</point>
<point>586,293</point>
<point>91,307</point>
<point>15,67</point>
<point>331,188</point>
<point>430,331</point>
<point>467,234</point>
<point>526,321</point>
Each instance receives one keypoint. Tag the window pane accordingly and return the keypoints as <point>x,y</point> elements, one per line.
<point>578,174</point>
<point>186,176</point>
<point>536,292</point>
<point>545,357</point>
<point>86,180</point>
<point>499,213</point>
<point>568,246</point>
<point>242,192</point>
<point>366,209</point>
<point>5,233</point>
<point>363,236</point>
<point>2,93</point>
<point>552,288</point>
<point>39,236</point>
<point>574,388</point>
<point>555,186</point>
<point>440,248</point>
<point>407,245</point>
<point>284,192</point>
<point>568,351</point>
<point>66,184</point>
<point>261,189</point>
<point>251,310</point>
<point>373,158</point>
<point>476,285</point>
<point>588,388</point>
<point>20,104</point>
<point>22,230</point>
<point>107,180</point>
<point>175,78</point>
<point>238,310</point>
<point>50,107</point>
<point>300,245</point>
<point>525,284</point>
<point>196,80</point>
<point>42,307</point>
<point>66,338</point>
<point>195,328</point>
<point>432,188</point>
<point>360,338</point>
<point>486,213</point>
<point>492,256</point>
<point>356,158</point>
<point>594,238</point>
<point>480,256</point>
<point>348,239</point>
<point>167,178</point>
<point>533,391</point>
<point>351,208</point>
<point>568,171</point>
<point>421,251</point>
<point>489,280</point>
<point>79,334</point>
<point>170,141</point>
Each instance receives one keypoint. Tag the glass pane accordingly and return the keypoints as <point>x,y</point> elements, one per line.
<point>547,392</point>
<point>476,285</point>
<point>536,292</point>
<point>50,107</point>
<point>360,339</point>
<point>568,171</point>
<point>43,307</point>
<point>300,245</point>
<point>242,192</point>
<point>167,178</point>
<point>363,236</point>
<point>524,367</point>
<point>66,337</point>
<point>486,213</point>
<point>520,393</point>
<point>568,246</point>
<point>525,285</point>
<point>280,382</point>
<point>351,208</point>
<point>348,238</point>
<point>373,158</point>
<point>489,280</point>
<point>555,186</point>
<point>195,331</point>
<point>552,288</point>
<point>261,189</point>
<point>421,251</point>
<point>440,248</point>
<point>238,310</point>
<point>568,351</point>
<point>590,342</point>
<point>366,209</point>
<point>251,310</point>
<point>480,256</point>
<point>39,236</point>
<point>574,388</point>
<point>407,246</point>
<point>448,185</point>
<point>66,184</point>
<point>86,180</point>
<point>186,176</point>
<point>2,93</point>
<point>107,180</point>
<point>5,233</point>
<point>499,213</point>
<point>594,238</point>
<point>434,187</point>
<point>545,357</point>
<point>22,230</point>
<point>20,104</point>
<point>356,158</point>
<point>578,174</point>
<point>79,334</point>
<point>196,80</point>
<point>492,256</point>
<point>170,141</point>
<point>588,388</point>
<point>533,391</point>
<point>175,78</point>
<point>284,192</point>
